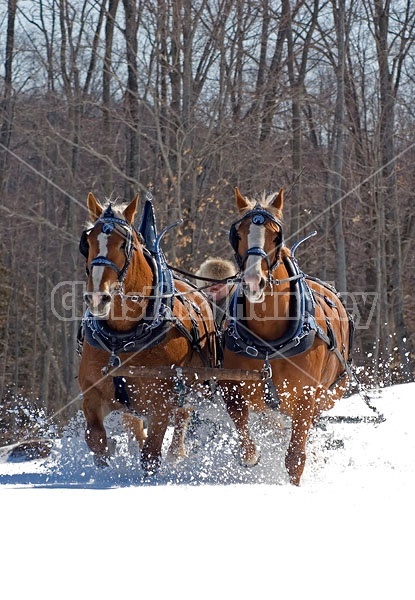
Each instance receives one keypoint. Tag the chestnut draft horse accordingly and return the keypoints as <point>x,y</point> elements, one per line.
<point>137,315</point>
<point>293,324</point>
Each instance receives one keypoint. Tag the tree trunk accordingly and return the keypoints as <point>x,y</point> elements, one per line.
<point>392,239</point>
<point>336,171</point>
<point>108,143</point>
<point>132,104</point>
<point>6,106</point>
<point>297,69</point>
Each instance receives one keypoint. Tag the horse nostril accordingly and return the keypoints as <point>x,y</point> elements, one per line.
<point>97,298</point>
<point>262,283</point>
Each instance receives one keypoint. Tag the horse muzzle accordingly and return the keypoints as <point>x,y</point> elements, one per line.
<point>254,289</point>
<point>99,303</point>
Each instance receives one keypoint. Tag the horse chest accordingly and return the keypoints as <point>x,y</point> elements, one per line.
<point>269,319</point>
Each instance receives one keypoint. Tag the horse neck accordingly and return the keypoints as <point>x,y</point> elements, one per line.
<point>128,309</point>
<point>269,319</point>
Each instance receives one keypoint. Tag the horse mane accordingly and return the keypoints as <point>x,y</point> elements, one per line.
<point>264,202</point>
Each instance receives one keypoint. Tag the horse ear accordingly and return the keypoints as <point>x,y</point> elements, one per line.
<point>94,207</point>
<point>241,202</point>
<point>277,200</point>
<point>131,209</point>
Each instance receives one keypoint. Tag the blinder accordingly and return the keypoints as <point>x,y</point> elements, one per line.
<point>258,216</point>
<point>83,244</point>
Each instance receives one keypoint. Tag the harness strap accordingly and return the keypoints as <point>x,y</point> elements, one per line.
<point>194,336</point>
<point>102,261</point>
<point>272,398</point>
<point>331,342</point>
<point>110,223</point>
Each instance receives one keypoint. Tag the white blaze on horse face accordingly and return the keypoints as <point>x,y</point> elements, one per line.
<point>253,275</point>
<point>98,272</point>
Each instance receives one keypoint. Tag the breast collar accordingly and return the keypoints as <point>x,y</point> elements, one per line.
<point>300,334</point>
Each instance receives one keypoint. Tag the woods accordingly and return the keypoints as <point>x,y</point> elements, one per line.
<point>190,99</point>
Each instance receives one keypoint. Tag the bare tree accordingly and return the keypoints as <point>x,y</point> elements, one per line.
<point>390,71</point>
<point>335,179</point>
<point>106,92</point>
<point>6,105</point>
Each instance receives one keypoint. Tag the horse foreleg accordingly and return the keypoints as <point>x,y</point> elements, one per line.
<point>238,411</point>
<point>95,434</point>
<point>136,426</point>
<point>177,450</point>
<point>296,456</point>
<point>151,451</point>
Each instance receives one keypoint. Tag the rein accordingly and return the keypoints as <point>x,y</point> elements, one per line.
<point>233,279</point>
<point>230,280</point>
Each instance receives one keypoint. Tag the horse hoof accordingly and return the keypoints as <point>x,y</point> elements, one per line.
<point>252,459</point>
<point>151,465</point>
<point>174,458</point>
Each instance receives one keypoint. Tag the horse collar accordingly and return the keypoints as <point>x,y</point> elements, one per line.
<point>300,335</point>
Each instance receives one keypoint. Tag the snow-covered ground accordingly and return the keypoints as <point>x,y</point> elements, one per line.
<point>209,528</point>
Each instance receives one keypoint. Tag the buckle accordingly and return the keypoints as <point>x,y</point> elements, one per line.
<point>251,351</point>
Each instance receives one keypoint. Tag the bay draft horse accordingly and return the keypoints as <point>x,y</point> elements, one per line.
<point>290,322</point>
<point>137,315</point>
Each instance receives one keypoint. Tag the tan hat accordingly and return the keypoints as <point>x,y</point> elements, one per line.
<point>216,268</point>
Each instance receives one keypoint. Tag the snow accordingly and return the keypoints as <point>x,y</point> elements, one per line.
<point>208,528</point>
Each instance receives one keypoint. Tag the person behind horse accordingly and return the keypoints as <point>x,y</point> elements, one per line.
<point>220,292</point>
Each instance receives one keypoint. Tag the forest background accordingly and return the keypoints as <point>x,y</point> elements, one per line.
<point>189,99</point>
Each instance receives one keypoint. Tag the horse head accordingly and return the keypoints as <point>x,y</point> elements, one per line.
<point>257,240</point>
<point>108,245</point>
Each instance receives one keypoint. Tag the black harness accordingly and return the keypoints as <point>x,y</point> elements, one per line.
<point>300,334</point>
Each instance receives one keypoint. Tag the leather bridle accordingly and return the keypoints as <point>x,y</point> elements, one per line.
<point>258,216</point>
<point>111,223</point>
